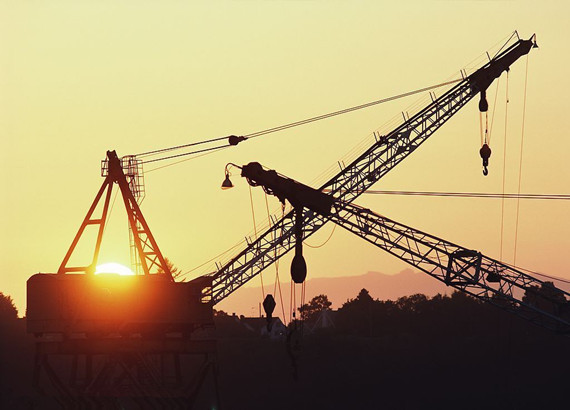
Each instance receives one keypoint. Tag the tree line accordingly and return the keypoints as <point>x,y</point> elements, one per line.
<point>457,314</point>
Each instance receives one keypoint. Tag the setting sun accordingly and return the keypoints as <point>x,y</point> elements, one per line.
<point>113,267</point>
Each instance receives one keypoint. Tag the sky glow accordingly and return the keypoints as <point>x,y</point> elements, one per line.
<point>80,78</point>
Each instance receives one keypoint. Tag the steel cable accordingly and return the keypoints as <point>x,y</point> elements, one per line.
<point>282,127</point>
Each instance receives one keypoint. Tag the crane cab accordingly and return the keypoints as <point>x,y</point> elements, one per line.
<point>102,305</point>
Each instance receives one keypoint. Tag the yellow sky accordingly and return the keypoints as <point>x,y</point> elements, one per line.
<point>78,78</point>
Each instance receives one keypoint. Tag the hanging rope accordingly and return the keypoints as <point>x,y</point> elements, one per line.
<point>485,150</point>
<point>325,242</point>
<point>520,162</point>
<point>255,234</point>
<point>487,127</point>
<point>291,302</point>
<point>494,109</point>
<point>481,128</point>
<point>303,290</point>
<point>504,170</point>
<point>277,283</point>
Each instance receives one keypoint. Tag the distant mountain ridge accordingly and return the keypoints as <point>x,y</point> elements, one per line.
<point>245,301</point>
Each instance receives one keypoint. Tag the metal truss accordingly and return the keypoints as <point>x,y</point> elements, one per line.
<point>132,188</point>
<point>119,373</point>
<point>387,152</point>
<point>347,185</point>
<point>463,269</point>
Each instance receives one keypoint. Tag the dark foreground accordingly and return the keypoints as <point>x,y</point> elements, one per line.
<point>503,363</point>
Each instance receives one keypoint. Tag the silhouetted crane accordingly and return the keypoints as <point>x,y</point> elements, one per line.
<point>466,270</point>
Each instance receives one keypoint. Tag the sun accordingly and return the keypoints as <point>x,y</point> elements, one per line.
<point>113,267</point>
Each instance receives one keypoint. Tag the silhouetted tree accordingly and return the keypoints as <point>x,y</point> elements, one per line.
<point>220,313</point>
<point>8,310</point>
<point>413,303</point>
<point>547,297</point>
<point>357,315</point>
<point>174,271</point>
<point>310,311</point>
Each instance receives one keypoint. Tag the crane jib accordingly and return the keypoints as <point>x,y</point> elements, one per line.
<point>387,152</point>
<point>349,183</point>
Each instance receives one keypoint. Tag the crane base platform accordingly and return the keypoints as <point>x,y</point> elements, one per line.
<point>117,372</point>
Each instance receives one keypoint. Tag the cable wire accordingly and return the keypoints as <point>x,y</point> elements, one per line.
<point>284,126</point>
<point>506,42</point>
<point>185,154</point>
<point>538,273</point>
<point>347,110</point>
<point>494,107</point>
<point>158,151</point>
<point>182,160</point>
<point>504,169</point>
<point>277,281</point>
<point>469,194</point>
<point>212,259</point>
<point>520,163</point>
<point>255,235</point>
<point>325,242</point>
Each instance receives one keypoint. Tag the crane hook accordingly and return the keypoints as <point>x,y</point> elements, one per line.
<point>485,153</point>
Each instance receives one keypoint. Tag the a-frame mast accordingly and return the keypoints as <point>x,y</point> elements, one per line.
<point>151,258</point>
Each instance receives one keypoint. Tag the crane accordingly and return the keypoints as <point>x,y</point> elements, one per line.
<point>128,335</point>
<point>350,182</point>
<point>461,268</point>
<point>122,338</point>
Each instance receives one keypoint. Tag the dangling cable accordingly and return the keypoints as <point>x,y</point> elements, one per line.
<point>303,289</point>
<point>487,127</point>
<point>255,234</point>
<point>520,163</point>
<point>504,169</point>
<point>481,128</point>
<point>291,340</point>
<point>494,108</point>
<point>290,302</point>
<point>276,263</point>
<point>325,242</point>
<point>485,150</point>
<point>277,281</point>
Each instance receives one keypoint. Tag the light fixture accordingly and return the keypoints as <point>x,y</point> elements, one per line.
<point>227,184</point>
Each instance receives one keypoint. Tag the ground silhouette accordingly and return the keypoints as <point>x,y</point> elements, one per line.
<point>444,352</point>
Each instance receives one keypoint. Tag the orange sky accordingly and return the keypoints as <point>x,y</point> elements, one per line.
<point>77,79</point>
